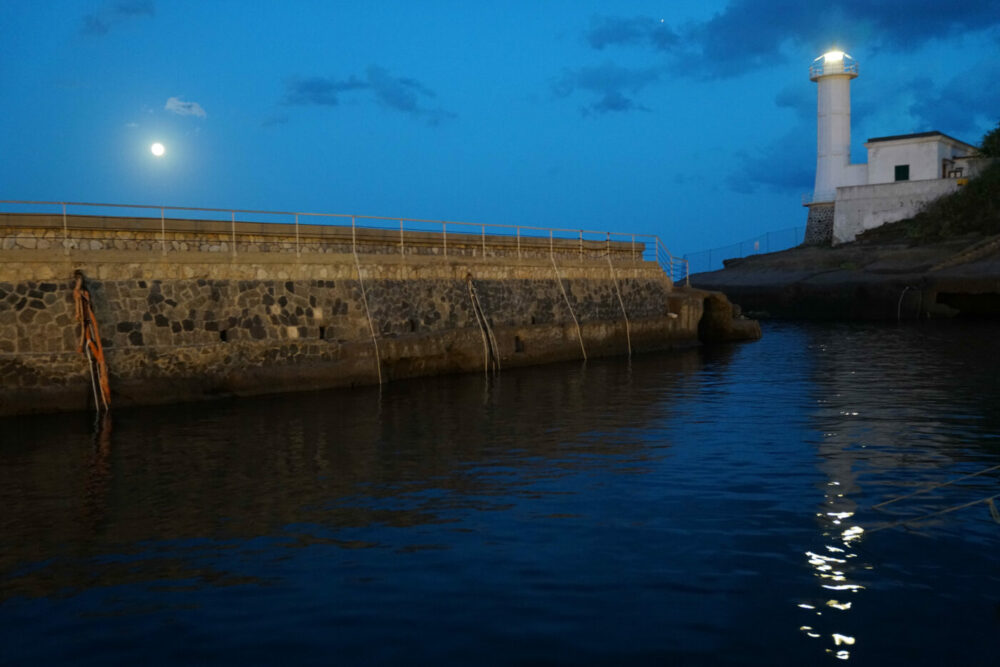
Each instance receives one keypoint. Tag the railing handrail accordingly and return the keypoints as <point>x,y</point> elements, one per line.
<point>651,242</point>
<point>327,215</point>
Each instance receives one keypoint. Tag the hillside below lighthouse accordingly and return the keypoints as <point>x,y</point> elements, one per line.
<point>903,173</point>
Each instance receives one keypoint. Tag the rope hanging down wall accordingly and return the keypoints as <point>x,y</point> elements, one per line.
<point>579,332</point>
<point>491,349</point>
<point>90,344</point>
<point>364,299</point>
<point>621,302</point>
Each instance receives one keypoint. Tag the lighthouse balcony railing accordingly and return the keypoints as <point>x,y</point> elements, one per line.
<point>837,67</point>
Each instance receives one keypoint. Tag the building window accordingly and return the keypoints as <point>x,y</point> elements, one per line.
<point>902,172</point>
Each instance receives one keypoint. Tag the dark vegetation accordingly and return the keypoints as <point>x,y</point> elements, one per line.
<point>974,209</point>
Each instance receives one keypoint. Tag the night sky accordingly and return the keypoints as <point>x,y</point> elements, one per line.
<point>691,120</point>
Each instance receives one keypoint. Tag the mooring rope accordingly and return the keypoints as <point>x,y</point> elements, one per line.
<point>899,306</point>
<point>364,299</point>
<point>579,332</point>
<point>936,486</point>
<point>618,291</point>
<point>90,341</point>
<point>989,500</point>
<point>482,332</point>
<point>491,349</point>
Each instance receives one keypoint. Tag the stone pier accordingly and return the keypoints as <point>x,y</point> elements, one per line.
<point>198,309</point>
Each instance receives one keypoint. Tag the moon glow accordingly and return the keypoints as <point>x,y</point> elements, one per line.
<point>157,149</point>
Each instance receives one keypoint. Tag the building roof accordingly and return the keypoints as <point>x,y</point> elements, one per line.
<point>918,135</point>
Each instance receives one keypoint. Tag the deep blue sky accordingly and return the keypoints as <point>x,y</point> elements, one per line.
<point>694,120</point>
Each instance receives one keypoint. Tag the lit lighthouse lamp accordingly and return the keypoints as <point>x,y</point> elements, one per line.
<point>833,72</point>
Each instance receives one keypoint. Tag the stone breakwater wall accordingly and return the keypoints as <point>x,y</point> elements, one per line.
<point>183,317</point>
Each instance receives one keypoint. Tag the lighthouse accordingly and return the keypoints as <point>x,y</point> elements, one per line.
<point>832,73</point>
<point>902,174</point>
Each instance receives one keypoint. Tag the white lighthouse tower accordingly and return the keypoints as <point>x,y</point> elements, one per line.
<point>832,72</point>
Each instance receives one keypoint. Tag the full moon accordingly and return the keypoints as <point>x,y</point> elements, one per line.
<point>157,149</point>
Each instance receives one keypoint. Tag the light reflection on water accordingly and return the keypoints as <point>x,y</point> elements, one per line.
<point>702,507</point>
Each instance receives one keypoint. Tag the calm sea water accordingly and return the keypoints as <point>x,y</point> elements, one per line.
<point>710,506</point>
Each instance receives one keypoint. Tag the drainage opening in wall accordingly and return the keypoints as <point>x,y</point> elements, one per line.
<point>413,325</point>
<point>518,344</point>
<point>224,335</point>
<point>322,333</point>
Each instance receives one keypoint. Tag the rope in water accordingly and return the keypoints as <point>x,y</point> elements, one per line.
<point>90,344</point>
<point>989,500</point>
<point>994,513</point>
<point>936,486</point>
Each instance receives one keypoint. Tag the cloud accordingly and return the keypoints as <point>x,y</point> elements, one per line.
<point>319,90</point>
<point>965,105</point>
<point>612,87</point>
<point>275,119</point>
<point>750,34</point>
<point>402,94</point>
<point>786,165</point>
<point>112,13</point>
<point>615,30</point>
<point>181,108</point>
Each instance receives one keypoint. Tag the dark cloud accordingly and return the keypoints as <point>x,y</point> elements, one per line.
<point>963,105</point>
<point>275,119</point>
<point>636,31</point>
<point>800,99</point>
<point>319,90</point>
<point>786,165</point>
<point>134,8</point>
<point>111,13</point>
<point>749,34</point>
<point>401,94</point>
<point>613,87</point>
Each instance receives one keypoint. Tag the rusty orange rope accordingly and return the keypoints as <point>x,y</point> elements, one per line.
<point>90,340</point>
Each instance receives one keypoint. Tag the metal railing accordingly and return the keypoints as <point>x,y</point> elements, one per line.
<point>590,244</point>
<point>712,259</point>
<point>822,68</point>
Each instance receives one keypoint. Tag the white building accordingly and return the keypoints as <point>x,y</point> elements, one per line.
<point>903,172</point>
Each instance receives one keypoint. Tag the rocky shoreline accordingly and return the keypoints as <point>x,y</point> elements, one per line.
<point>866,280</point>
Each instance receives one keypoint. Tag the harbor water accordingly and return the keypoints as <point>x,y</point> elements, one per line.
<point>716,506</point>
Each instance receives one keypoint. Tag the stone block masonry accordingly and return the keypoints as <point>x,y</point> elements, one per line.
<point>183,317</point>
<point>819,225</point>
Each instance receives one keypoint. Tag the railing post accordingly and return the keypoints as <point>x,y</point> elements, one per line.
<point>608,245</point>
<point>163,231</point>
<point>234,231</point>
<point>444,234</point>
<point>354,241</point>
<point>297,252</point>
<point>581,245</point>
<point>65,231</point>
<point>552,253</point>
<point>402,250</point>
<point>484,241</point>
<point>519,242</point>
<point>633,248</point>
